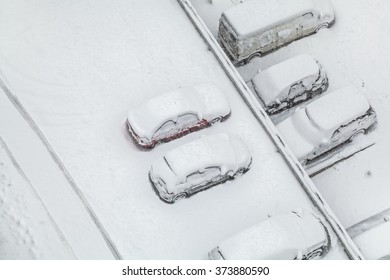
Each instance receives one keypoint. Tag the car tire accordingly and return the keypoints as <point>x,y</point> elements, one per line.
<point>316,253</point>
<point>257,54</point>
<point>321,26</point>
<point>356,133</point>
<point>218,119</point>
<point>179,196</point>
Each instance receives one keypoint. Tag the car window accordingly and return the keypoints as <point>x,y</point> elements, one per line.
<point>296,89</point>
<point>308,20</point>
<point>213,171</point>
<point>166,129</point>
<point>195,178</point>
<point>187,120</point>
<point>288,30</point>
<point>266,38</point>
<point>199,177</point>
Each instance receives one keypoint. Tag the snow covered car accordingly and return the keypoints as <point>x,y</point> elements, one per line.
<point>199,165</point>
<point>372,236</point>
<point>293,236</point>
<point>256,27</point>
<point>177,113</point>
<point>287,84</point>
<point>326,123</point>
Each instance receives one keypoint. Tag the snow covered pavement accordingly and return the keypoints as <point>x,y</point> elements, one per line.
<point>77,67</point>
<point>43,191</point>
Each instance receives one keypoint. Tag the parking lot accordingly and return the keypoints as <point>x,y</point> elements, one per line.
<point>354,51</point>
<point>78,76</point>
<point>77,68</point>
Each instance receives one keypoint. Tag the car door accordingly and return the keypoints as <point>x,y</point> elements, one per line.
<point>287,32</point>
<point>202,178</point>
<point>165,130</point>
<point>308,22</point>
<point>267,40</point>
<point>187,120</point>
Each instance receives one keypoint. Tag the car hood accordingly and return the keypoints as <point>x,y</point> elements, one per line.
<point>214,101</point>
<point>298,144</point>
<point>161,170</point>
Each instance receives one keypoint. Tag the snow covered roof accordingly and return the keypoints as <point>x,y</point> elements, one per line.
<point>273,83</point>
<point>214,150</point>
<point>252,16</point>
<point>338,107</point>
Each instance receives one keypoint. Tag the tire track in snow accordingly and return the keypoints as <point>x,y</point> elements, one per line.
<point>35,193</point>
<point>18,106</point>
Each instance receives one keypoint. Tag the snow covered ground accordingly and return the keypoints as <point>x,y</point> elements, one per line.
<point>34,162</point>
<point>27,230</point>
<point>353,51</point>
<point>77,67</point>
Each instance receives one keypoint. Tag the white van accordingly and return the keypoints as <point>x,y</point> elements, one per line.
<point>259,26</point>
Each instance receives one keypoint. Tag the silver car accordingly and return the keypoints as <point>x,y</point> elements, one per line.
<point>295,236</point>
<point>199,165</point>
<point>327,123</point>
<point>295,81</point>
<point>256,27</point>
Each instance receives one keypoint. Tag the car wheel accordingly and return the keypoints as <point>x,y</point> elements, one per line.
<point>316,253</point>
<point>179,196</point>
<point>258,54</point>
<point>360,131</point>
<point>321,26</point>
<point>218,119</point>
